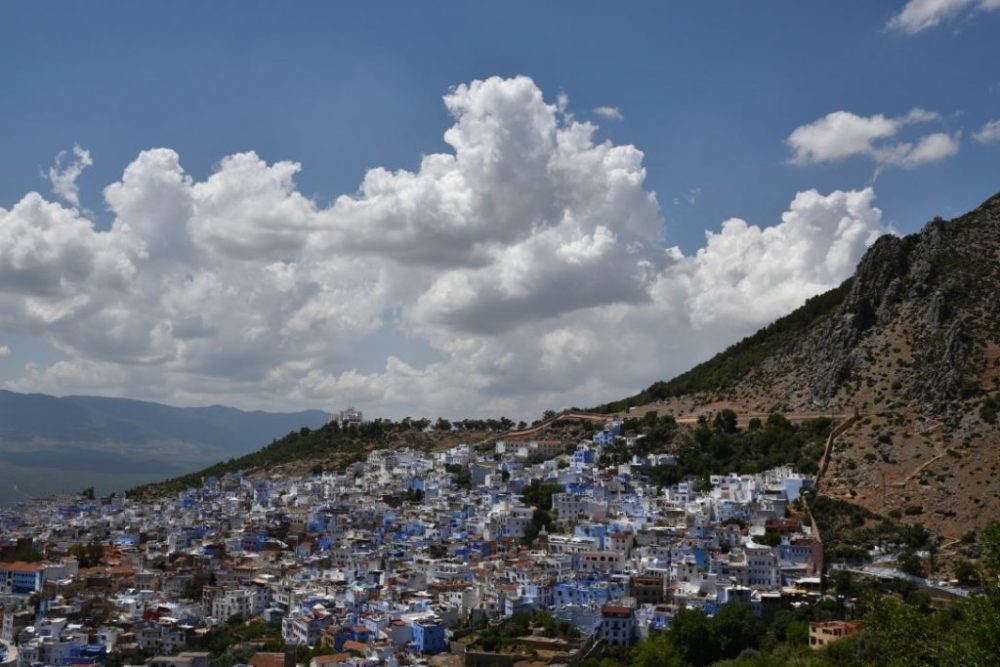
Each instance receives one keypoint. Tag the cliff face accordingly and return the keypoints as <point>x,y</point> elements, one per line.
<point>914,346</point>
<point>935,294</point>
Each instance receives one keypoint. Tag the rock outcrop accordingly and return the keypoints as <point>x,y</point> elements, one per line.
<point>913,344</point>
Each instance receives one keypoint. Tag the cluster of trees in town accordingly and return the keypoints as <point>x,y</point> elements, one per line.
<point>407,424</point>
<point>851,531</point>
<point>497,637</point>
<point>538,494</point>
<point>901,625</point>
<point>87,555</point>
<point>718,445</point>
<point>461,474</point>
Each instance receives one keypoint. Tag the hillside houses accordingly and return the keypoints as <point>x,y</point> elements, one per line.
<point>393,556</point>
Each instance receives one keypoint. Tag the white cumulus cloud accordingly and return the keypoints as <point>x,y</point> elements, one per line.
<point>746,273</point>
<point>528,262</point>
<point>919,15</point>
<point>841,134</point>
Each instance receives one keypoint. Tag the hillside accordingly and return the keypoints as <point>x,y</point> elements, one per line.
<point>326,448</point>
<point>49,443</point>
<point>912,343</point>
<point>333,448</point>
<point>727,368</point>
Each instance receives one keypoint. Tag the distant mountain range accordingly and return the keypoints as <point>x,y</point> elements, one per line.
<point>52,444</point>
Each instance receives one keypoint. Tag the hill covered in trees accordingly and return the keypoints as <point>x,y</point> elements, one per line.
<point>332,447</point>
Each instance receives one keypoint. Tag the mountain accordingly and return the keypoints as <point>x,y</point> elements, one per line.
<point>911,345</point>
<point>52,444</point>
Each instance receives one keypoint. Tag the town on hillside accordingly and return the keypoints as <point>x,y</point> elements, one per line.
<point>515,550</point>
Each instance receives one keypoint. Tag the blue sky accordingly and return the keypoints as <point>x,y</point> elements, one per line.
<point>709,92</point>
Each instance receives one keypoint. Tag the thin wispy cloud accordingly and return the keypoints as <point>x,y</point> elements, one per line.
<point>920,15</point>
<point>988,133</point>
<point>611,113</point>
<point>66,170</point>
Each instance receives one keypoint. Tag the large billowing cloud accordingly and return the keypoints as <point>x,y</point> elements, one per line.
<point>746,274</point>
<point>529,262</point>
<point>842,134</point>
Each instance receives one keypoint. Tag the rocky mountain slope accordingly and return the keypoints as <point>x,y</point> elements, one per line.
<point>911,343</point>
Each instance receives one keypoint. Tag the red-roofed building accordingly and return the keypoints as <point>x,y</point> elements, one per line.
<point>286,659</point>
<point>352,646</point>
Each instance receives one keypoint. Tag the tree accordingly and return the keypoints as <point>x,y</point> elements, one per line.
<point>725,421</point>
<point>89,555</point>
<point>843,583</point>
<point>463,476</point>
<point>966,574</point>
<point>442,424</point>
<point>733,629</point>
<point>692,635</point>
<point>910,563</point>
<point>657,651</point>
<point>539,494</point>
<point>492,639</point>
<point>771,538</point>
<point>539,519</point>
<point>915,536</point>
<point>797,633</point>
<point>989,540</point>
<point>33,556</point>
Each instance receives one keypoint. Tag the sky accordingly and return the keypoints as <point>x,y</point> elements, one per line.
<point>458,209</point>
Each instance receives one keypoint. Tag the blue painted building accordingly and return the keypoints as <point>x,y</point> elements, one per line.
<point>21,578</point>
<point>584,456</point>
<point>428,637</point>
